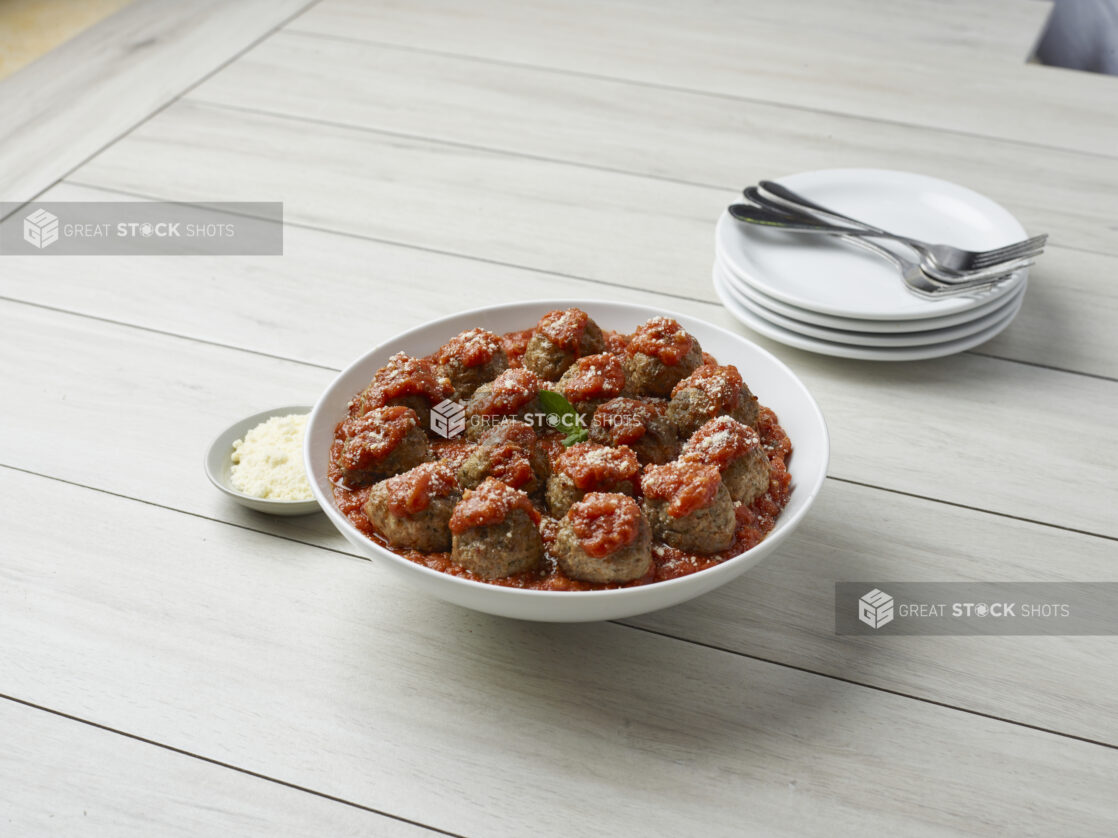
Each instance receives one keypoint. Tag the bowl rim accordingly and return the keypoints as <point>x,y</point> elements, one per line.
<point>785,525</point>
<point>255,419</point>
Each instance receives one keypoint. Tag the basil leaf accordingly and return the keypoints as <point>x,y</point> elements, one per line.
<point>555,403</point>
<point>575,437</point>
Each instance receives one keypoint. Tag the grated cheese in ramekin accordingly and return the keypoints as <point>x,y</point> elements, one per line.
<point>268,462</point>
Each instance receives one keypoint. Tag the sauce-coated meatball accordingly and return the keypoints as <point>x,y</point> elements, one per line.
<point>591,381</point>
<point>511,453</point>
<point>641,425</point>
<point>405,382</point>
<point>589,467</point>
<point>688,507</point>
<point>511,395</point>
<point>604,538</point>
<point>495,531</point>
<point>710,391</point>
<point>560,338</point>
<point>470,359</point>
<point>380,443</point>
<point>735,450</point>
<point>412,510</point>
<point>658,355</point>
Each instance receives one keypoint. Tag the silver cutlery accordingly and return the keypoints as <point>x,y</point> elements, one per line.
<point>912,272</point>
<point>938,259</point>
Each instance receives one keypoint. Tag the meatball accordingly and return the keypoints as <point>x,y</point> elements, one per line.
<point>412,510</point>
<point>511,395</point>
<point>688,507</point>
<point>710,391</point>
<point>735,450</point>
<point>470,359</point>
<point>511,453</point>
<point>405,382</point>
<point>591,381</point>
<point>640,425</point>
<point>494,531</point>
<point>560,338</point>
<point>604,538</point>
<point>380,443</point>
<point>659,354</point>
<point>589,467</point>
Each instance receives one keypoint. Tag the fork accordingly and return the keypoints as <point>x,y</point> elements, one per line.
<point>939,258</point>
<point>916,280</point>
<point>773,214</point>
<point>922,285</point>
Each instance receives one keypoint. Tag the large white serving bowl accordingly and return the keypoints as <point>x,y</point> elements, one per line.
<point>774,384</point>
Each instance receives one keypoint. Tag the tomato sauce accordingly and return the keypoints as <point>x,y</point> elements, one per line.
<point>402,376</point>
<point>604,523</point>
<point>472,348</point>
<point>510,464</point>
<point>594,377</point>
<point>564,328</point>
<point>624,420</point>
<point>594,467</point>
<point>754,521</point>
<point>411,492</point>
<point>509,391</point>
<point>488,504</point>
<point>371,437</point>
<point>720,441</point>
<point>685,487</point>
<point>662,338</point>
<point>516,344</point>
<point>452,451</point>
<point>722,385</point>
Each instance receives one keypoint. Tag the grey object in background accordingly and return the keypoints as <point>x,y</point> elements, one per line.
<point>1082,35</point>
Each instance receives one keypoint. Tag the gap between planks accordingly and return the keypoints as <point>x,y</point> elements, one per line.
<point>659,633</point>
<point>488,261</point>
<point>224,765</point>
<point>694,91</point>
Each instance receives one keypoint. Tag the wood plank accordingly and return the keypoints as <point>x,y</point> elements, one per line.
<point>1068,317</point>
<point>79,97</point>
<point>62,777</point>
<point>574,221</point>
<point>136,390</point>
<point>722,48</point>
<point>451,719</point>
<point>784,609</point>
<point>532,213</point>
<point>622,126</point>
<point>964,455</point>
<point>266,305</point>
<point>915,31</point>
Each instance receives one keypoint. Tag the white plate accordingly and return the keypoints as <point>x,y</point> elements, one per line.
<point>775,385</point>
<point>854,324</point>
<point>821,274</point>
<point>842,350</point>
<point>922,338</point>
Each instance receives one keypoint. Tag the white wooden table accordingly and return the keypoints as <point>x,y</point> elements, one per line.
<point>172,664</point>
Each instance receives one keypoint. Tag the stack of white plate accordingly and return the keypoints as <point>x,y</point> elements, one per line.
<point>817,293</point>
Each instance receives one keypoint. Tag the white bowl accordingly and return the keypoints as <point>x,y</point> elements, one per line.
<point>773,383</point>
<point>219,462</point>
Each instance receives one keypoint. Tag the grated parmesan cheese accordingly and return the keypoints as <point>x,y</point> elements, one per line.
<point>268,462</point>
